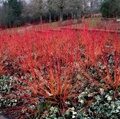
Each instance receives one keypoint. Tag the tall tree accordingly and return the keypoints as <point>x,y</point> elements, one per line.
<point>60,6</point>
<point>51,8</point>
<point>75,7</point>
<point>110,8</point>
<point>11,10</point>
<point>37,9</point>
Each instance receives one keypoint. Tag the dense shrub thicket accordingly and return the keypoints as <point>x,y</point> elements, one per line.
<point>63,73</point>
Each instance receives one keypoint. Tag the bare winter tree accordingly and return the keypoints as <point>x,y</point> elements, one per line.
<point>37,9</point>
<point>60,6</point>
<point>74,7</point>
<point>51,8</point>
<point>91,6</point>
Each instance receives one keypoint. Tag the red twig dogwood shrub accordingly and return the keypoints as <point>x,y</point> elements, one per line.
<point>111,60</point>
<point>101,51</point>
<point>51,70</point>
<point>43,64</point>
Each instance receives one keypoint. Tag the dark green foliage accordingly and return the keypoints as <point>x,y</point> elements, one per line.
<point>110,8</point>
<point>12,10</point>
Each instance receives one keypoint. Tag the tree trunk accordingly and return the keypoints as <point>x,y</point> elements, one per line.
<point>50,17</point>
<point>72,15</point>
<point>61,15</point>
<point>41,19</point>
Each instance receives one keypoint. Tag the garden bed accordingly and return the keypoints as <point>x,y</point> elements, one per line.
<point>60,73</point>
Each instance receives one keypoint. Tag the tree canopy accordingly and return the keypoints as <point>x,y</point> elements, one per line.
<point>11,13</point>
<point>110,8</point>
